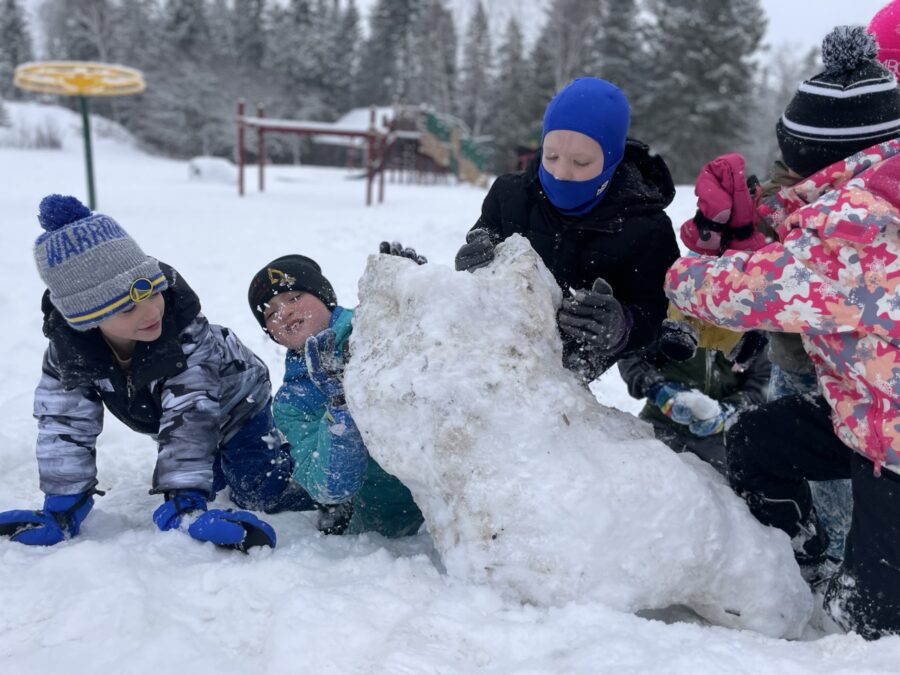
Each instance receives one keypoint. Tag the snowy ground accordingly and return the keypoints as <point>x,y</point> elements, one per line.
<point>127,598</point>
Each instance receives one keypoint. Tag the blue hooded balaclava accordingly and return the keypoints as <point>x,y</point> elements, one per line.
<point>600,111</point>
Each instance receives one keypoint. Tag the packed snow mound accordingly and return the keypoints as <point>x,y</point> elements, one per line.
<point>37,126</point>
<point>212,170</point>
<point>526,482</point>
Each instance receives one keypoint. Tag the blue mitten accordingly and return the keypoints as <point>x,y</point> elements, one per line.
<point>324,366</point>
<point>666,395</point>
<point>712,425</point>
<point>60,519</point>
<point>169,514</point>
<point>239,530</point>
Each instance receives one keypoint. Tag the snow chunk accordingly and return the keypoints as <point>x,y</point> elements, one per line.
<point>526,482</point>
<point>212,170</point>
<point>702,407</point>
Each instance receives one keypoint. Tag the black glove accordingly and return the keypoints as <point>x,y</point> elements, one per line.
<point>595,318</point>
<point>396,248</point>
<point>478,251</point>
<point>334,518</point>
<point>677,340</point>
<point>751,344</point>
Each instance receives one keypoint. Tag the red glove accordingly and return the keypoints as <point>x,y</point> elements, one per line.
<point>726,215</point>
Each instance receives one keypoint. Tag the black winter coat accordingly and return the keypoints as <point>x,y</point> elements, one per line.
<point>628,239</point>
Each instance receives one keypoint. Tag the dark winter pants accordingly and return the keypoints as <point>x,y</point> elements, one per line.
<point>257,465</point>
<point>772,451</point>
<point>710,449</point>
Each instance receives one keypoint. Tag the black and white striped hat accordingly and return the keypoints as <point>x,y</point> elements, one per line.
<point>852,105</point>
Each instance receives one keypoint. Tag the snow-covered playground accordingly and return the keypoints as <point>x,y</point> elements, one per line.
<point>123,597</point>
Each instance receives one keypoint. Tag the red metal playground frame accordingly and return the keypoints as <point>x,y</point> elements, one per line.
<point>376,144</point>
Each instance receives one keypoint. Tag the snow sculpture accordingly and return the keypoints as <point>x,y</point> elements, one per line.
<point>526,482</point>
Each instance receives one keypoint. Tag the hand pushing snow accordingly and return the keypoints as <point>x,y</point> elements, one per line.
<point>526,482</point>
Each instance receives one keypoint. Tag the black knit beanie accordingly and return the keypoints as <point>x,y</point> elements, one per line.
<point>288,273</point>
<point>852,105</point>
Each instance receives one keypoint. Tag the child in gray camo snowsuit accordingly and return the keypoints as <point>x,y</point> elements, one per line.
<point>126,332</point>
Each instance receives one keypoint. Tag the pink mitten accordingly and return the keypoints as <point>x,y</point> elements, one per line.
<point>726,216</point>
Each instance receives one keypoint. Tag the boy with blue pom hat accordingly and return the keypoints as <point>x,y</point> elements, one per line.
<point>592,204</point>
<point>125,332</point>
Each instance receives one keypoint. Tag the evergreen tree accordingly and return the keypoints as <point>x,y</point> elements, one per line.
<point>698,97</point>
<point>620,51</point>
<point>569,44</point>
<point>223,26</point>
<point>476,72</point>
<point>433,74</point>
<point>81,30</point>
<point>514,112</point>
<point>139,43</point>
<point>249,41</point>
<point>188,111</point>
<point>346,58</point>
<point>289,52</point>
<point>187,27</point>
<point>388,54</point>
<point>15,45</point>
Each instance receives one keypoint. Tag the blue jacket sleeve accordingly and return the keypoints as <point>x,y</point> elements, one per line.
<point>329,455</point>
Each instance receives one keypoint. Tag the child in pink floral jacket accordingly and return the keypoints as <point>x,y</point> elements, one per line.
<point>833,276</point>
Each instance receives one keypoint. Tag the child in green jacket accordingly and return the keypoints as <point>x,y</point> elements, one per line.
<point>297,307</point>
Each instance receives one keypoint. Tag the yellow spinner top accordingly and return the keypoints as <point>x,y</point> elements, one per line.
<point>79,78</point>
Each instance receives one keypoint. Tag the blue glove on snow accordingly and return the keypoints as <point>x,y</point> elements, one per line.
<point>239,530</point>
<point>60,519</point>
<point>324,366</point>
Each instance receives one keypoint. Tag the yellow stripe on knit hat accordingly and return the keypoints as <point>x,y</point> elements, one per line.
<point>157,283</point>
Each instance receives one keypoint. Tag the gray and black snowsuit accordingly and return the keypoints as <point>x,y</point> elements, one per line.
<point>196,389</point>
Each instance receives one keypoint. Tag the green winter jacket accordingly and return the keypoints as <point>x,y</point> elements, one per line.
<point>334,473</point>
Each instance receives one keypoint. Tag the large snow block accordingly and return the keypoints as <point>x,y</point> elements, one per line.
<point>526,482</point>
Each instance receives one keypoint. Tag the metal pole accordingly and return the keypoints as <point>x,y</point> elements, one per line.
<point>261,143</point>
<point>370,159</point>
<point>240,146</point>
<point>88,157</point>
<point>383,158</point>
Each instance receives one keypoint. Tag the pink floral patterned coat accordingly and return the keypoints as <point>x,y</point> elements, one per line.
<point>834,278</point>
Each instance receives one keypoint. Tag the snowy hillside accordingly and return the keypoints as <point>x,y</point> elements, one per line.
<point>124,598</point>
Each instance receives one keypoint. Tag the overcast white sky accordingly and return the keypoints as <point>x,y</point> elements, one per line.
<point>806,22</point>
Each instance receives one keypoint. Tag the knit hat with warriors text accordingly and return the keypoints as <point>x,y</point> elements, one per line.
<point>92,267</point>
<point>850,106</point>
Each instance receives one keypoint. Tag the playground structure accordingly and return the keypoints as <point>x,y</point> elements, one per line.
<point>375,143</point>
<point>81,79</point>
<point>411,143</point>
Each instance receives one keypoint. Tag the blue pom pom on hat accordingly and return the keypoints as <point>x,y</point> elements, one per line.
<point>90,263</point>
<point>55,211</point>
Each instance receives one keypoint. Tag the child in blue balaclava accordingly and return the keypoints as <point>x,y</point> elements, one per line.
<point>598,110</point>
<point>592,203</point>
